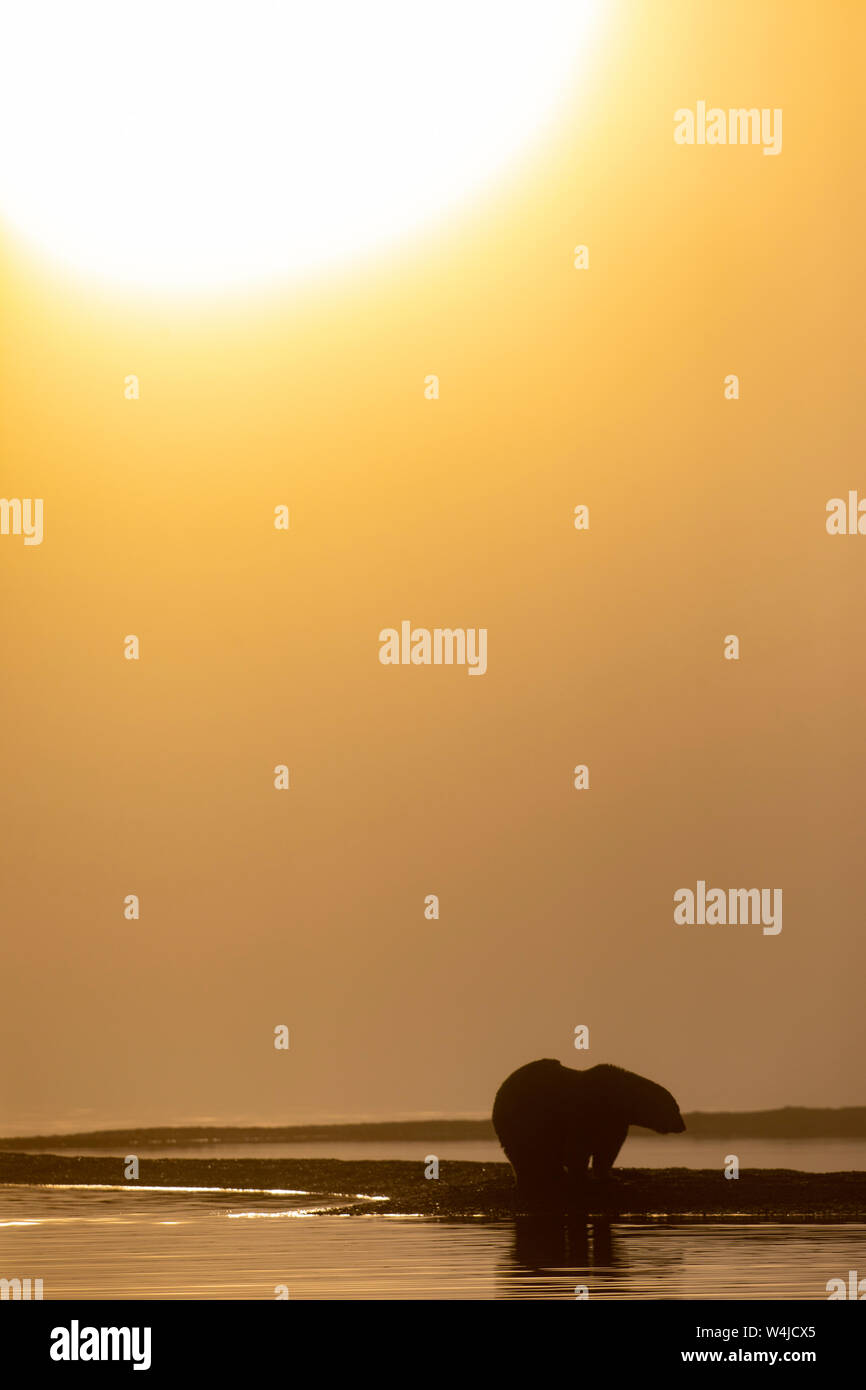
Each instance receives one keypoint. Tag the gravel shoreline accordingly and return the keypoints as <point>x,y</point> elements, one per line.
<point>471,1190</point>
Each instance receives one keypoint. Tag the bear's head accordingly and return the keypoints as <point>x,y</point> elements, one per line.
<point>631,1098</point>
<point>659,1111</point>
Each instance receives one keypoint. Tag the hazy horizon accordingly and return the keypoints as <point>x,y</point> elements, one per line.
<point>85,1126</point>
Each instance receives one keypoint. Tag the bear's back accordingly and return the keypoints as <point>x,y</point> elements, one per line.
<point>535,1102</point>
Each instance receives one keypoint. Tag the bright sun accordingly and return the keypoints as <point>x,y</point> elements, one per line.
<point>186,145</point>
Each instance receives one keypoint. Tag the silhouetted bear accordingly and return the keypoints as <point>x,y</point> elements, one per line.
<point>551,1119</point>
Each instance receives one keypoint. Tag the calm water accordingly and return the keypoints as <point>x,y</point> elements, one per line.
<point>117,1243</point>
<point>674,1151</point>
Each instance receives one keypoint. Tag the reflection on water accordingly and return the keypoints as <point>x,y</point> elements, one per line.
<point>111,1243</point>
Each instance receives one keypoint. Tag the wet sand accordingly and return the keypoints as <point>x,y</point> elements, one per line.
<point>472,1190</point>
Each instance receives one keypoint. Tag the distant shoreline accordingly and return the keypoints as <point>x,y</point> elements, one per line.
<point>463,1191</point>
<point>790,1122</point>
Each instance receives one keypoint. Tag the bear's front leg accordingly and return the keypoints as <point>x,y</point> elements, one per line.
<point>605,1150</point>
<point>577,1186</point>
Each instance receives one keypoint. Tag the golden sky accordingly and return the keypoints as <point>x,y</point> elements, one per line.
<point>557,387</point>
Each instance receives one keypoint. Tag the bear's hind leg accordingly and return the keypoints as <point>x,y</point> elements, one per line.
<point>540,1185</point>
